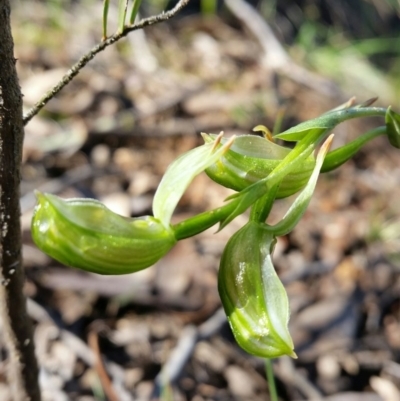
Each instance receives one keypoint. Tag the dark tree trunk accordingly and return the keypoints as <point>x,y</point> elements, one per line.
<point>16,325</point>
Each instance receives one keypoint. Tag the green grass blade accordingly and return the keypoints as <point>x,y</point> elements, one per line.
<point>106,4</point>
<point>134,11</point>
<point>122,10</point>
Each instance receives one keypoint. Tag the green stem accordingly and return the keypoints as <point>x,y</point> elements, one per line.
<point>355,112</point>
<point>330,120</point>
<point>271,380</point>
<point>262,208</point>
<point>368,112</point>
<point>203,221</point>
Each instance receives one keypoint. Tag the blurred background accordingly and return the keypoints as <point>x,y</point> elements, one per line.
<point>113,131</point>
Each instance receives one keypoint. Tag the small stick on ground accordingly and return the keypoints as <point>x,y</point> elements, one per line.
<point>172,369</point>
<point>108,388</point>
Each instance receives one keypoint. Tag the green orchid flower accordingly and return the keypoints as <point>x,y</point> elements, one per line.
<point>252,158</point>
<point>253,297</point>
<point>85,234</point>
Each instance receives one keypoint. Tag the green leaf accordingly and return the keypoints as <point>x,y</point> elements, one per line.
<point>392,120</point>
<point>253,297</point>
<point>83,233</point>
<point>326,122</point>
<point>180,174</point>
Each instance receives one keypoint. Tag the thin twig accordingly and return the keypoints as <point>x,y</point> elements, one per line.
<point>286,372</point>
<point>38,313</point>
<point>108,388</point>
<point>184,349</point>
<point>77,67</point>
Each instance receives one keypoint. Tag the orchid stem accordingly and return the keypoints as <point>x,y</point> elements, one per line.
<point>271,380</point>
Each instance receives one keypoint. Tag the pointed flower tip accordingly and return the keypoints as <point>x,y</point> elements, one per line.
<point>229,143</point>
<point>326,146</point>
<point>39,195</point>
<point>287,348</point>
<point>369,102</point>
<point>217,141</point>
<point>351,102</point>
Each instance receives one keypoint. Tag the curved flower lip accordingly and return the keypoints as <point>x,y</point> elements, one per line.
<point>253,297</point>
<point>85,234</point>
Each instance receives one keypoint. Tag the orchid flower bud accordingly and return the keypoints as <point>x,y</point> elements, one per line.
<point>85,234</point>
<point>252,158</point>
<point>254,299</point>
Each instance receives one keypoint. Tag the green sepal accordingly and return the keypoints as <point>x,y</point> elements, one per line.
<point>85,234</point>
<point>180,174</point>
<point>339,156</point>
<point>252,158</point>
<point>392,120</point>
<point>253,297</point>
<point>299,206</point>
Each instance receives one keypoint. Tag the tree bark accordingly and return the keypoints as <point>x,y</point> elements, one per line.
<point>16,325</point>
